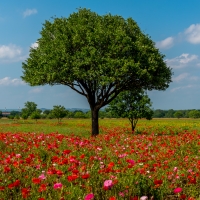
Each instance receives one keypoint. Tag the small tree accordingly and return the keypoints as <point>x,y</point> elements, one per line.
<point>17,117</point>
<point>24,115</point>
<point>79,114</point>
<point>132,105</point>
<point>194,114</point>
<point>30,107</point>
<point>178,114</point>
<point>59,112</point>
<point>46,112</point>
<point>36,115</point>
<point>11,117</point>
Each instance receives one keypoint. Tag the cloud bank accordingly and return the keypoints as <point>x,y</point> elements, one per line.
<point>11,53</point>
<point>181,61</point>
<point>190,34</point>
<point>7,81</point>
<point>166,43</point>
<point>36,90</point>
<point>29,12</point>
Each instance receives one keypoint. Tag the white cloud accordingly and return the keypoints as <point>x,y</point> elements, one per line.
<point>36,90</point>
<point>11,53</point>
<point>166,43</point>
<point>34,45</point>
<point>7,81</point>
<point>29,12</point>
<point>190,86</point>
<point>185,76</point>
<point>181,61</point>
<point>180,77</point>
<point>192,34</point>
<point>184,87</point>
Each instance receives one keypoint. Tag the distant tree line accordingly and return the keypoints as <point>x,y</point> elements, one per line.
<point>58,112</point>
<point>176,113</point>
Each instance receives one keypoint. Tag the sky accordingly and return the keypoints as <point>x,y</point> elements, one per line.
<point>174,26</point>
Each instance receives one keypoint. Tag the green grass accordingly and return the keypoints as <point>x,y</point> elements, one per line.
<point>82,127</point>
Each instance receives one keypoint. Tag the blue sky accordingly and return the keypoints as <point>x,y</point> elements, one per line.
<point>173,25</point>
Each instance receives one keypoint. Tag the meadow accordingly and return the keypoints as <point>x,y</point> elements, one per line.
<point>45,160</point>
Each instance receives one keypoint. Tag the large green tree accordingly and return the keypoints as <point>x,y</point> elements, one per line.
<point>133,105</point>
<point>97,56</point>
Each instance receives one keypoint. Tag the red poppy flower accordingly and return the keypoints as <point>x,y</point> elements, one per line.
<point>158,182</point>
<point>134,198</point>
<point>2,188</point>
<point>72,177</point>
<point>42,188</point>
<point>112,198</point>
<point>65,152</point>
<point>6,169</point>
<point>111,165</point>
<point>15,184</point>
<point>36,180</point>
<point>82,156</point>
<point>25,192</point>
<point>85,176</point>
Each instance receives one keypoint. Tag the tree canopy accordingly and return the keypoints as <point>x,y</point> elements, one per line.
<point>97,56</point>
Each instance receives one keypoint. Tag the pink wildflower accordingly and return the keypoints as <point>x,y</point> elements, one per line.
<point>108,184</point>
<point>122,155</point>
<point>89,196</point>
<point>144,198</point>
<point>18,155</point>
<point>178,190</point>
<point>175,169</point>
<point>42,177</point>
<point>121,194</point>
<point>57,186</point>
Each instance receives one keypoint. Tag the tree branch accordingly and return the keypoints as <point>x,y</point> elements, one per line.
<point>72,87</point>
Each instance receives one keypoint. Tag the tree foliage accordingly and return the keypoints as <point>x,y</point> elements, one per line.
<point>58,112</point>
<point>79,114</point>
<point>194,114</point>
<point>178,114</point>
<point>133,105</point>
<point>35,115</point>
<point>29,108</point>
<point>97,56</point>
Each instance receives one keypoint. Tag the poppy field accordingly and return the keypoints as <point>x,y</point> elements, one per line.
<point>161,160</point>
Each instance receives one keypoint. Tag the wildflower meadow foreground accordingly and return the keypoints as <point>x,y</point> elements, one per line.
<point>115,165</point>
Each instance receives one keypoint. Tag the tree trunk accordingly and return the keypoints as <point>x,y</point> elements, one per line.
<point>95,122</point>
<point>133,123</point>
<point>132,126</point>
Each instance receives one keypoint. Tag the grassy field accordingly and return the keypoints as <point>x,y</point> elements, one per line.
<point>45,160</point>
<point>82,127</point>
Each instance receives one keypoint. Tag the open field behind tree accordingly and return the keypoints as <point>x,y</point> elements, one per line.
<point>46,160</point>
<point>82,127</point>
